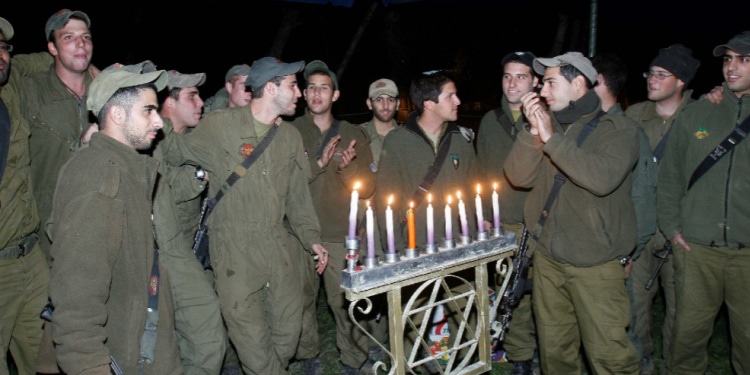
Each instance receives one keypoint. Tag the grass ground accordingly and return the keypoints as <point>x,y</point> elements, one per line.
<point>719,349</point>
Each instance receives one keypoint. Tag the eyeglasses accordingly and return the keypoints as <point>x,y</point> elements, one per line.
<point>659,75</point>
<point>6,47</point>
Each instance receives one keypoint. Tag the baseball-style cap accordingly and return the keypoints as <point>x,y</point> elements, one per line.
<point>577,59</point>
<point>58,20</point>
<point>6,28</point>
<point>678,60</point>
<point>241,70</point>
<point>525,58</point>
<point>146,66</point>
<point>110,80</point>
<point>319,66</point>
<point>266,68</point>
<point>740,43</point>
<point>179,80</point>
<point>383,86</point>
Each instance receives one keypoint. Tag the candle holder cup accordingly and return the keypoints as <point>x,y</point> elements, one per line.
<point>352,252</point>
<point>391,257</point>
<point>449,244</point>
<point>371,262</point>
<point>411,253</point>
<point>465,240</point>
<point>430,248</point>
<point>497,232</point>
<point>482,236</point>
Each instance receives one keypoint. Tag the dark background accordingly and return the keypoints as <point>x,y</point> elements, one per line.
<point>399,39</point>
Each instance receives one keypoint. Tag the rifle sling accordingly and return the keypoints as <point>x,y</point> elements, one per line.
<point>736,136</point>
<point>431,175</point>
<point>242,168</point>
<point>560,178</point>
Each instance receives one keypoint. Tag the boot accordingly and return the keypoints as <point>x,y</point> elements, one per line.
<point>522,368</point>
<point>312,366</point>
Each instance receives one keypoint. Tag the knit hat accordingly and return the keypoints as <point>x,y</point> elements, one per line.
<point>740,43</point>
<point>319,66</point>
<point>58,20</point>
<point>6,28</point>
<point>678,60</point>
<point>266,68</point>
<point>525,58</point>
<point>179,80</point>
<point>241,70</point>
<point>577,59</point>
<point>383,86</point>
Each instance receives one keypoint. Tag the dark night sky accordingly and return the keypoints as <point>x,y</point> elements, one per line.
<point>470,36</point>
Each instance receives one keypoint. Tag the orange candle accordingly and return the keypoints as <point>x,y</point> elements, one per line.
<point>411,226</point>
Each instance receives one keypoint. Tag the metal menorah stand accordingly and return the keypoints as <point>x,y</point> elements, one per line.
<point>430,278</point>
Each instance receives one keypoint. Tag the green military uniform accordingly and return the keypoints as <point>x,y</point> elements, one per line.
<point>378,328</point>
<point>645,265</point>
<point>406,157</point>
<point>200,330</point>
<point>57,118</point>
<point>218,101</point>
<point>495,137</point>
<point>103,255</point>
<point>23,278</point>
<point>590,226</point>
<point>712,217</point>
<point>257,278</point>
<point>331,191</point>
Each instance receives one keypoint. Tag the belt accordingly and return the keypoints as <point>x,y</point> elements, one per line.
<point>25,247</point>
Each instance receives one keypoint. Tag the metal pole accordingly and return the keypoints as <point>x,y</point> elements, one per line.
<point>592,33</point>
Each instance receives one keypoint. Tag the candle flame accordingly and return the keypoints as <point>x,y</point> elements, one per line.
<point>411,204</point>
<point>479,189</point>
<point>458,195</point>
<point>356,185</point>
<point>450,199</point>
<point>429,198</point>
<point>494,186</point>
<point>390,199</point>
<point>367,203</point>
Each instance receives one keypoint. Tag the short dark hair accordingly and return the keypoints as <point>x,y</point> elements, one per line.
<point>257,94</point>
<point>427,86</point>
<point>124,97</point>
<point>613,69</point>
<point>570,72</point>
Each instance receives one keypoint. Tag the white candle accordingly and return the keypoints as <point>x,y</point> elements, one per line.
<point>430,222</point>
<point>480,214</point>
<point>448,220</point>
<point>389,227</point>
<point>462,216</point>
<point>495,207</point>
<point>370,222</point>
<point>353,211</point>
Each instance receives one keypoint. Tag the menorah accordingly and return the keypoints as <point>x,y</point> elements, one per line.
<point>431,270</point>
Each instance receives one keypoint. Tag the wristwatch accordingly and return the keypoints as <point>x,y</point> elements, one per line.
<point>200,174</point>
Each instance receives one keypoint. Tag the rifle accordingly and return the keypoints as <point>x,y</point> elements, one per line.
<point>200,243</point>
<point>518,286</point>
<point>664,258</point>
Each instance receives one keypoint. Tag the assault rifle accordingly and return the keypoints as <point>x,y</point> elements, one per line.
<point>518,286</point>
<point>664,258</point>
<point>200,243</point>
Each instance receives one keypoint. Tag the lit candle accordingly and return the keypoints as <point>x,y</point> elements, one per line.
<point>411,227</point>
<point>495,207</point>
<point>353,211</point>
<point>448,220</point>
<point>462,216</point>
<point>430,222</point>
<point>480,214</point>
<point>389,227</point>
<point>370,222</point>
